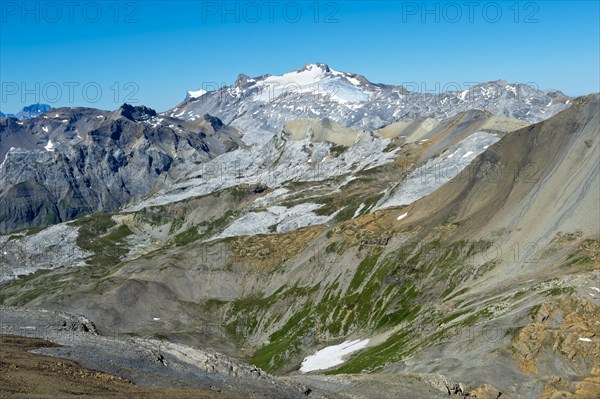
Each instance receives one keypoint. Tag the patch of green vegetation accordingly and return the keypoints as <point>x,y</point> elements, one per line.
<point>33,230</point>
<point>337,247</point>
<point>202,230</point>
<point>475,317</point>
<point>251,314</point>
<point>384,293</point>
<point>370,203</point>
<point>187,236</point>
<point>519,295</point>
<point>28,231</point>
<point>285,342</point>
<point>245,313</point>
<point>559,291</point>
<point>176,224</point>
<point>27,288</point>
<point>404,312</point>
<point>371,172</point>
<point>390,147</point>
<point>451,223</point>
<point>534,311</point>
<point>453,316</point>
<point>213,226</point>
<point>238,193</point>
<point>97,234</point>
<point>581,255</point>
<point>365,267</point>
<point>336,150</point>
<point>346,213</point>
<point>329,205</point>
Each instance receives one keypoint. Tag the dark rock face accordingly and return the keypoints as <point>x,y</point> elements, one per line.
<point>33,110</point>
<point>30,111</point>
<point>140,113</point>
<point>86,161</point>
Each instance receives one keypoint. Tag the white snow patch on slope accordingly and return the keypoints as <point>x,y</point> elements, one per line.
<point>284,219</point>
<point>360,208</point>
<point>331,356</point>
<point>437,171</point>
<point>49,146</point>
<point>274,195</point>
<point>585,339</point>
<point>402,216</point>
<point>196,93</point>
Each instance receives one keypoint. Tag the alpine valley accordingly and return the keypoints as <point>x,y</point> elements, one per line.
<point>312,234</point>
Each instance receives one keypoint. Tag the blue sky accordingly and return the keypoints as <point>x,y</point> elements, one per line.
<point>103,53</point>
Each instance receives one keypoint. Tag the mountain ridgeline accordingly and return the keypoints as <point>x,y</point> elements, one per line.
<point>363,241</point>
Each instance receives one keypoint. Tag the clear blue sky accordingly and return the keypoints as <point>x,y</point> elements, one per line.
<point>167,48</point>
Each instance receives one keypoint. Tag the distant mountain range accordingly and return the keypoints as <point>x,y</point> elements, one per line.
<point>263,104</point>
<point>30,111</point>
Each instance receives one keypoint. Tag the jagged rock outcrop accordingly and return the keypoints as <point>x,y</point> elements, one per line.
<point>79,161</point>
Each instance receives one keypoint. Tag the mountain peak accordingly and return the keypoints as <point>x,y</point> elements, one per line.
<point>242,79</point>
<point>136,113</point>
<point>313,66</point>
<point>215,122</point>
<point>29,111</point>
<point>195,93</point>
<point>36,108</point>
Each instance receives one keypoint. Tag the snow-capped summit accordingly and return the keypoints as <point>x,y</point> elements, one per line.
<point>262,105</point>
<point>195,93</point>
<point>313,79</point>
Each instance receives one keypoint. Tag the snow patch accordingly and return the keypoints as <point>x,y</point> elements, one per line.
<point>331,356</point>
<point>402,216</point>
<point>196,93</point>
<point>436,172</point>
<point>49,146</point>
<point>360,208</point>
<point>280,218</point>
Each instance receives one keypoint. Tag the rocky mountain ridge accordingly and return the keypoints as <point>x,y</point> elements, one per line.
<point>75,161</point>
<point>264,104</point>
<point>29,111</point>
<point>464,245</point>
